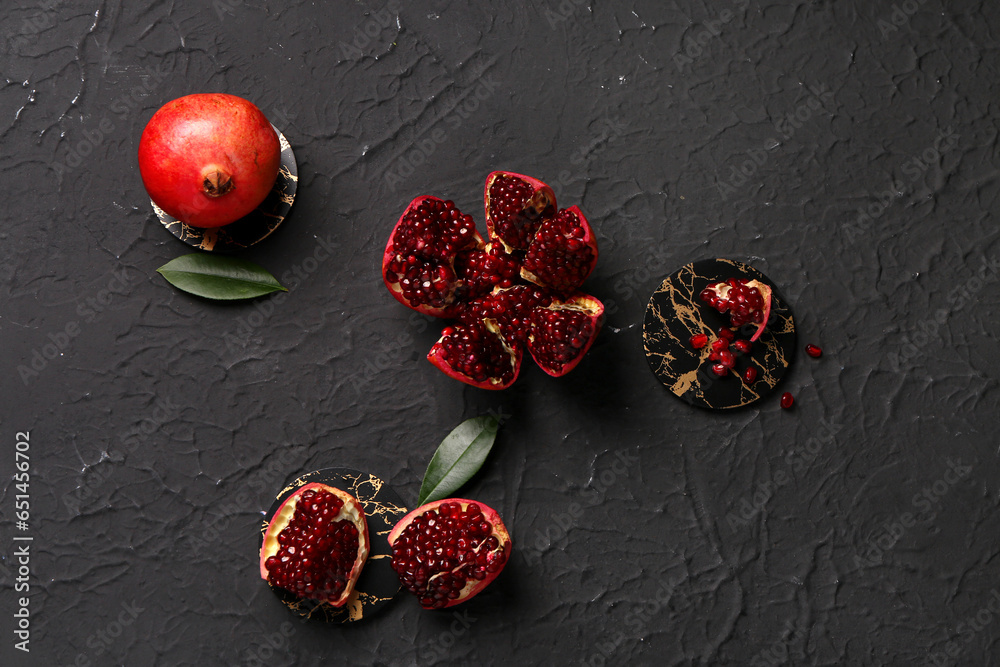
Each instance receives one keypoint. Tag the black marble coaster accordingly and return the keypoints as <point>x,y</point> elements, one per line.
<point>378,583</point>
<point>251,228</point>
<point>675,313</point>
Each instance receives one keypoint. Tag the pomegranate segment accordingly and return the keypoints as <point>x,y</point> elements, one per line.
<point>418,266</point>
<point>561,333</point>
<point>477,354</point>
<point>481,271</point>
<point>746,301</point>
<point>563,253</point>
<point>448,551</point>
<point>515,207</point>
<point>316,544</point>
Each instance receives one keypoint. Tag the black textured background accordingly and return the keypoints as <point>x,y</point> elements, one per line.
<point>646,532</point>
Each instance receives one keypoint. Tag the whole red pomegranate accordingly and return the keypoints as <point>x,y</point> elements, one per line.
<point>316,544</point>
<point>516,292</point>
<point>209,159</point>
<point>448,551</point>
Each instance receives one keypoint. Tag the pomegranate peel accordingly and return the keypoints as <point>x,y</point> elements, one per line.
<point>301,555</point>
<point>448,551</point>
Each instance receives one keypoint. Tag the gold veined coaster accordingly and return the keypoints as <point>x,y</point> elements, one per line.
<point>378,582</point>
<point>251,228</point>
<point>675,313</point>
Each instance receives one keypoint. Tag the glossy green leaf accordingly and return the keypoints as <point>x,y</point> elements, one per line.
<point>219,277</point>
<point>458,458</point>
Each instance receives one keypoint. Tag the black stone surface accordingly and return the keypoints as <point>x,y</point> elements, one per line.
<point>676,312</point>
<point>645,531</point>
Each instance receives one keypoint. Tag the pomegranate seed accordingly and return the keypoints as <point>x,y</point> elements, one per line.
<point>787,400</point>
<point>750,374</point>
<point>713,356</point>
<point>719,344</point>
<point>727,359</point>
<point>743,346</point>
<point>699,341</point>
<point>814,351</point>
<point>726,333</point>
<point>719,370</point>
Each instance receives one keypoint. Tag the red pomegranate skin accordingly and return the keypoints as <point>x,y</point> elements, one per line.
<point>209,159</point>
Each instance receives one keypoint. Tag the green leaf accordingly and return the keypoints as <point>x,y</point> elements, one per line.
<point>219,277</point>
<point>458,458</point>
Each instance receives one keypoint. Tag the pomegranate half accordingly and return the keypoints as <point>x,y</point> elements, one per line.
<point>316,544</point>
<point>209,159</point>
<point>448,551</point>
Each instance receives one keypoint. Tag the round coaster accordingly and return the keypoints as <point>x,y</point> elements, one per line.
<point>251,228</point>
<point>675,313</point>
<point>378,582</point>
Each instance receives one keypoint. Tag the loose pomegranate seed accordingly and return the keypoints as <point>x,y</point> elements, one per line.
<point>726,333</point>
<point>714,356</point>
<point>699,341</point>
<point>814,351</point>
<point>743,346</point>
<point>719,344</point>
<point>750,374</point>
<point>719,370</point>
<point>727,359</point>
<point>787,400</point>
<point>440,551</point>
<point>317,549</point>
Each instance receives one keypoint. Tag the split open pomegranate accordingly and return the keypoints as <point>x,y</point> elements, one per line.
<point>316,544</point>
<point>519,290</point>
<point>448,551</point>
<point>748,302</point>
